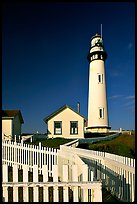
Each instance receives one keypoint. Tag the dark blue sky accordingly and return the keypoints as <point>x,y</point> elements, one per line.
<point>44,59</point>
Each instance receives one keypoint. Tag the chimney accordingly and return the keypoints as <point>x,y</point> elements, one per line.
<point>78,106</point>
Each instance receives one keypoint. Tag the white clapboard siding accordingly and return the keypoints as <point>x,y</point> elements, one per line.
<point>80,189</point>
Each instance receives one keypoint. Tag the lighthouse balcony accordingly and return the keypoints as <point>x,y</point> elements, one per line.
<point>95,48</point>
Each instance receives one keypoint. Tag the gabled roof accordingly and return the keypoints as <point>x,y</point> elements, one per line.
<point>7,114</point>
<point>60,110</point>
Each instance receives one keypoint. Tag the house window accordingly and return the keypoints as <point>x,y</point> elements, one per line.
<point>73,127</point>
<point>100,78</point>
<point>101,112</point>
<point>57,128</point>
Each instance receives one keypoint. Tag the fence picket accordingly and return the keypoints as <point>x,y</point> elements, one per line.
<point>5,179</point>
<point>75,178</point>
<point>55,188</point>
<point>35,188</point>
<point>15,179</point>
<point>65,188</point>
<point>25,180</point>
<point>85,178</point>
<point>45,179</point>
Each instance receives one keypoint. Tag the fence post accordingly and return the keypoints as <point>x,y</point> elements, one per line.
<point>75,178</point>
<point>132,186</point>
<point>98,193</point>
<point>55,179</point>
<point>5,179</point>
<point>15,179</point>
<point>22,140</point>
<point>65,179</point>
<point>31,139</point>
<point>45,179</point>
<point>25,180</point>
<point>35,179</point>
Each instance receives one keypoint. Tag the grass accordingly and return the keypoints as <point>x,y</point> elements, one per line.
<point>53,143</point>
<point>123,145</point>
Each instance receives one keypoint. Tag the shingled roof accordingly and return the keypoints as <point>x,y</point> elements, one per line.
<point>12,114</point>
<point>58,111</point>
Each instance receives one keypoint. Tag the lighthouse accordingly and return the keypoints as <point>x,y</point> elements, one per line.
<point>97,97</point>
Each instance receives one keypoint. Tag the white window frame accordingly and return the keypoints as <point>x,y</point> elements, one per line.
<point>74,131</point>
<point>58,131</point>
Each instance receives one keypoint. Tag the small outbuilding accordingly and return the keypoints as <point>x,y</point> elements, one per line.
<point>65,123</point>
<point>12,121</point>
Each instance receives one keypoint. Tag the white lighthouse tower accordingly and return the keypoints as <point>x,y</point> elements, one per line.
<point>97,98</point>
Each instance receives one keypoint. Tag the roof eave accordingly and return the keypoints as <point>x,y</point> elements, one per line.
<point>46,119</point>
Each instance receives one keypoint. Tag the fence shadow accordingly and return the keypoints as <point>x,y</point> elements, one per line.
<point>111,181</point>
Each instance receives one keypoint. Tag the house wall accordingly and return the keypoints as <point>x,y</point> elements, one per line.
<point>66,116</point>
<point>16,126</point>
<point>7,126</point>
<point>11,127</point>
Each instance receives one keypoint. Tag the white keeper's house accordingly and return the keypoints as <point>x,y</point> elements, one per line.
<point>65,123</point>
<point>12,121</point>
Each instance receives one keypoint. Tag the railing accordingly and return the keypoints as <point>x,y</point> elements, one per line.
<point>92,154</point>
<point>73,143</point>
<point>25,154</point>
<point>116,172</point>
<point>83,191</point>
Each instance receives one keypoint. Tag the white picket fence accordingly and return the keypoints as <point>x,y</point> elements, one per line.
<point>84,191</point>
<point>25,154</point>
<point>116,173</point>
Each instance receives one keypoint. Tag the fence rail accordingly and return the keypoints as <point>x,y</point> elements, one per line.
<point>81,191</point>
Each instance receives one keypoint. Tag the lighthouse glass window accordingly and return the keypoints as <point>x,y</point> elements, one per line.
<point>101,112</point>
<point>100,78</point>
<point>57,127</point>
<point>73,127</point>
